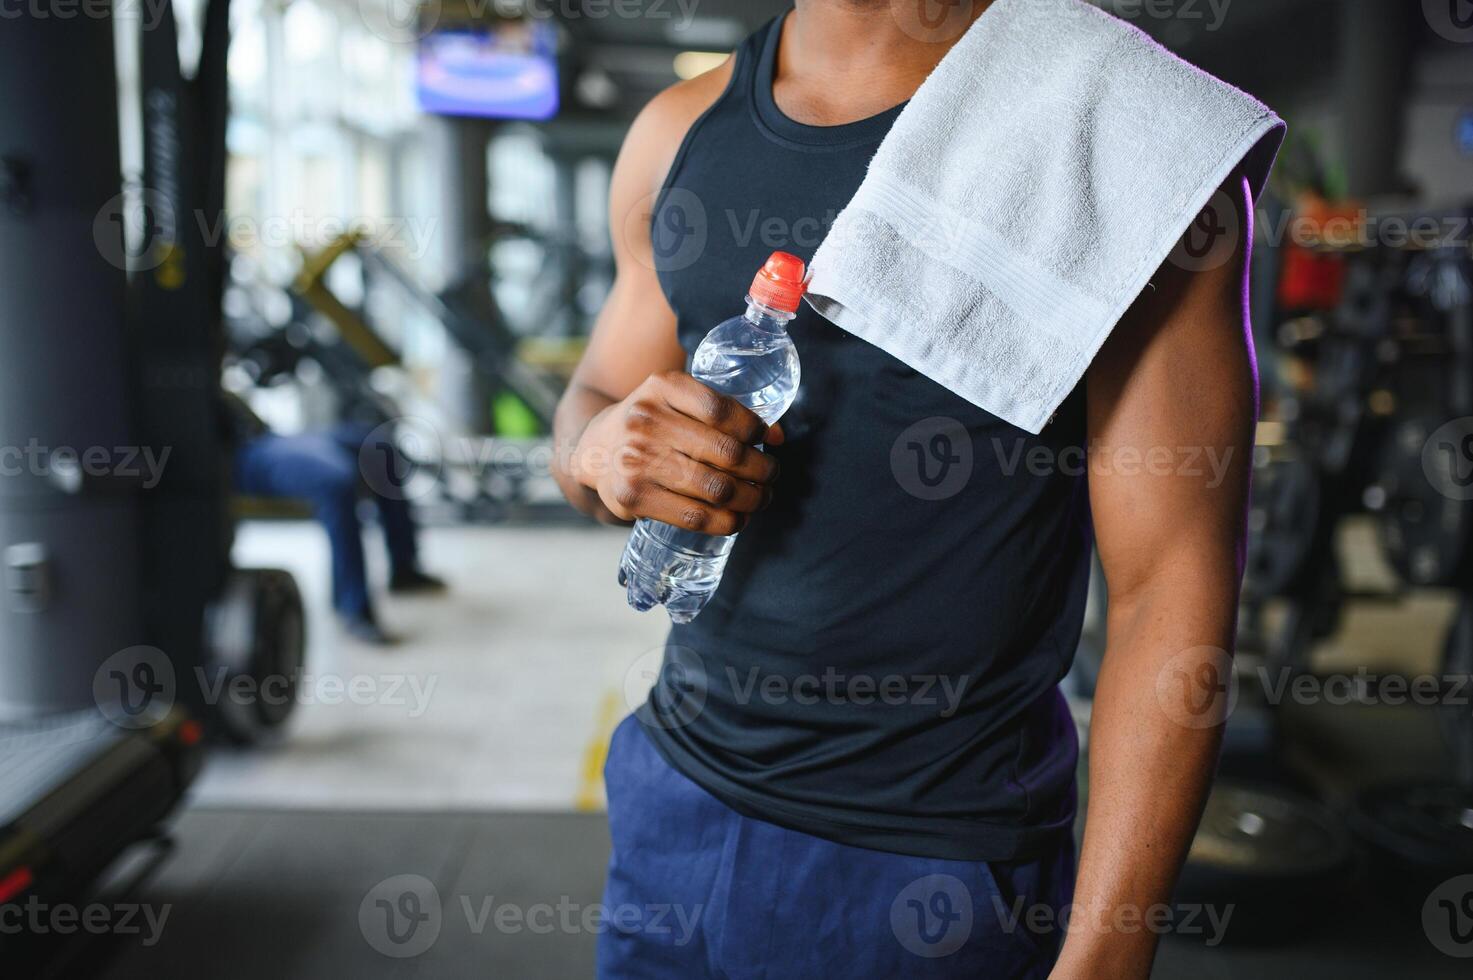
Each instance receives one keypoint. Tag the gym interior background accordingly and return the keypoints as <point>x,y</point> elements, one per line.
<point>395,214</point>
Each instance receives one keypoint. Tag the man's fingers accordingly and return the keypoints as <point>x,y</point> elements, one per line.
<point>725,414</point>
<point>694,479</point>
<point>677,510</point>
<point>719,449</point>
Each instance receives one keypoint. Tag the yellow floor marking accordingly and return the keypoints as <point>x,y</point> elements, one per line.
<point>590,782</point>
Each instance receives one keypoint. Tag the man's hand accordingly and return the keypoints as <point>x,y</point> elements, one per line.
<point>635,435</point>
<point>678,452</point>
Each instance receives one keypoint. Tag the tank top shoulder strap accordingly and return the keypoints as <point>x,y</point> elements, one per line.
<point>732,107</point>
<point>748,59</point>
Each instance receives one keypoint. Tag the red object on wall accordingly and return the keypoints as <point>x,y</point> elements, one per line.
<point>1312,279</point>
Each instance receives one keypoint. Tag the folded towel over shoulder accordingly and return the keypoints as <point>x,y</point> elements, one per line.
<point>1025,196</point>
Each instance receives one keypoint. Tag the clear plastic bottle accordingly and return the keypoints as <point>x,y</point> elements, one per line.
<point>752,359</point>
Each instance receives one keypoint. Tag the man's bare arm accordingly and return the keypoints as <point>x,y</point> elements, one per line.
<point>634,335</point>
<point>1176,383</point>
<point>636,436</point>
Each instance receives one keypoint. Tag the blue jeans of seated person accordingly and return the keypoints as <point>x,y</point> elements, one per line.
<point>326,469</point>
<point>697,890</point>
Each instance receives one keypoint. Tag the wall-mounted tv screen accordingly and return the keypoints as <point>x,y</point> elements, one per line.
<point>505,72</point>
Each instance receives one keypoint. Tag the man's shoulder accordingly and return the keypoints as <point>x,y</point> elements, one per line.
<point>681,104</point>
<point>662,125</point>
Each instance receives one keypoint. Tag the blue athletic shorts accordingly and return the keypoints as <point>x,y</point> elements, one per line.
<point>697,890</point>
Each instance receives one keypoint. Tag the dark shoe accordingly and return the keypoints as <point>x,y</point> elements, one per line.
<point>365,629</point>
<point>413,580</point>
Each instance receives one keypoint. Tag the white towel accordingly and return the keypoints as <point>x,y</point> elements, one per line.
<point>1025,196</point>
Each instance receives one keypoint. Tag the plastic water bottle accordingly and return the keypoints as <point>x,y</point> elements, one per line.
<point>751,359</point>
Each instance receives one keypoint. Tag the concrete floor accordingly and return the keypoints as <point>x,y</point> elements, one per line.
<point>499,696</point>
<point>488,721</point>
<point>253,894</point>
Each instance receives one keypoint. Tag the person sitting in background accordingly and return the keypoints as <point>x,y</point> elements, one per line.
<point>325,468</point>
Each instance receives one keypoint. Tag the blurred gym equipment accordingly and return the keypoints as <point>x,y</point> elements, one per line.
<point>1382,357</point>
<point>96,557</point>
<point>1382,372</point>
<point>1326,832</point>
<point>479,476</point>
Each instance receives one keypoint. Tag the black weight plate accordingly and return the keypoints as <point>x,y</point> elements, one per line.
<point>1282,525</point>
<point>1427,534</point>
<point>257,635</point>
<point>1457,673</point>
<point>1419,830</point>
<point>1269,856</point>
<point>280,643</point>
<point>1259,832</point>
<point>1367,298</point>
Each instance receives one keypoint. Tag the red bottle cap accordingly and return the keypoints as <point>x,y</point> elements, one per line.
<point>780,283</point>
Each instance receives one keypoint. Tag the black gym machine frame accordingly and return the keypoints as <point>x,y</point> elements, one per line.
<point>122,616</point>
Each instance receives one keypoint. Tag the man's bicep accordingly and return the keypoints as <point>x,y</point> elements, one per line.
<point>1172,409</point>
<point>633,338</point>
<point>634,335</point>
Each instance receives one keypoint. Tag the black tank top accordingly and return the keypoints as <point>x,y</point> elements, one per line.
<point>880,664</point>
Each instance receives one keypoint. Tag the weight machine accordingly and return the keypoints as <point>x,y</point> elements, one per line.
<point>121,608</point>
<point>481,477</point>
